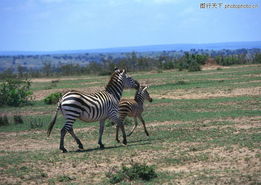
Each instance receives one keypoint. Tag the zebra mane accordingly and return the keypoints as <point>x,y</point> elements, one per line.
<point>113,85</point>
<point>115,75</point>
<point>138,92</point>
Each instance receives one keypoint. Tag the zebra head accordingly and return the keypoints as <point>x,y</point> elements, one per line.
<point>143,94</point>
<point>127,81</point>
<point>146,94</point>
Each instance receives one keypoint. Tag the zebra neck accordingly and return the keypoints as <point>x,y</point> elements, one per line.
<point>139,99</point>
<point>115,90</point>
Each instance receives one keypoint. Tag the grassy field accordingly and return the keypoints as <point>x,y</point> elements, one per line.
<point>205,128</point>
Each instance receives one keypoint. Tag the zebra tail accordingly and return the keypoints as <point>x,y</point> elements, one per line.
<point>51,124</point>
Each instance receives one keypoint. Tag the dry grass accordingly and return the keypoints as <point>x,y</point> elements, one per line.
<point>219,150</point>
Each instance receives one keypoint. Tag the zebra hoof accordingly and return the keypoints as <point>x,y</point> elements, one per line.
<point>124,142</point>
<point>128,135</point>
<point>118,140</point>
<point>102,146</point>
<point>147,134</point>
<point>80,147</point>
<point>63,150</point>
<point>79,150</point>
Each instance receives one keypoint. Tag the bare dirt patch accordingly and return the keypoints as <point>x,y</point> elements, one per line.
<point>9,141</point>
<point>201,94</point>
<point>159,104</point>
<point>226,163</point>
<point>240,122</point>
<point>150,82</point>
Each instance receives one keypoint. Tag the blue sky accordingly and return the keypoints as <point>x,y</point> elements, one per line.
<point>51,25</point>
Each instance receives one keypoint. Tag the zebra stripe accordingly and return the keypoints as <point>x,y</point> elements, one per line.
<point>134,108</point>
<point>94,107</point>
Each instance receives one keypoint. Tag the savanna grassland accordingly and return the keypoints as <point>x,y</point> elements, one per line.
<point>205,128</point>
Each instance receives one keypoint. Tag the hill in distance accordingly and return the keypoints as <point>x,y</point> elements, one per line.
<point>149,48</point>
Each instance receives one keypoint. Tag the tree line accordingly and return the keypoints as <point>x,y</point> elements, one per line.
<point>133,62</point>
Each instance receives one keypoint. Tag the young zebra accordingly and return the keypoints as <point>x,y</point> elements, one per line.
<point>134,108</point>
<point>93,107</point>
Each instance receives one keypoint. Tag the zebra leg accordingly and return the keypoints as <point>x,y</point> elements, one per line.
<point>101,133</point>
<point>117,134</point>
<point>76,139</point>
<point>119,124</point>
<point>136,123</point>
<point>122,117</point>
<point>63,133</point>
<point>143,122</point>
<point>123,133</point>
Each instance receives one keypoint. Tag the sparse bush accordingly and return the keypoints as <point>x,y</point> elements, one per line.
<point>15,92</point>
<point>180,82</point>
<point>4,120</point>
<point>53,98</point>
<point>18,119</point>
<point>194,66</point>
<point>134,172</point>
<point>65,178</point>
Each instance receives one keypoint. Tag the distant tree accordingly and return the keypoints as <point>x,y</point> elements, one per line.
<point>7,74</point>
<point>21,70</point>
<point>47,68</point>
<point>257,58</point>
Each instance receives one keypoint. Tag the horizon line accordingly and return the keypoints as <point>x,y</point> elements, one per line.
<point>121,47</point>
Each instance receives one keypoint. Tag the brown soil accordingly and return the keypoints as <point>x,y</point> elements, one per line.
<point>221,160</point>
<point>242,159</point>
<point>201,94</point>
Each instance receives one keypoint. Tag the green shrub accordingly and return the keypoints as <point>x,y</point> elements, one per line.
<point>134,172</point>
<point>194,66</point>
<point>65,178</point>
<point>15,92</point>
<point>4,120</point>
<point>53,98</point>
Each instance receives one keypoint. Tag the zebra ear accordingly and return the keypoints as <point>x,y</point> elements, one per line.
<point>116,69</point>
<point>143,88</point>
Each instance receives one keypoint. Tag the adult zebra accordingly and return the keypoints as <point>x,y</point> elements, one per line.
<point>134,108</point>
<point>93,107</point>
